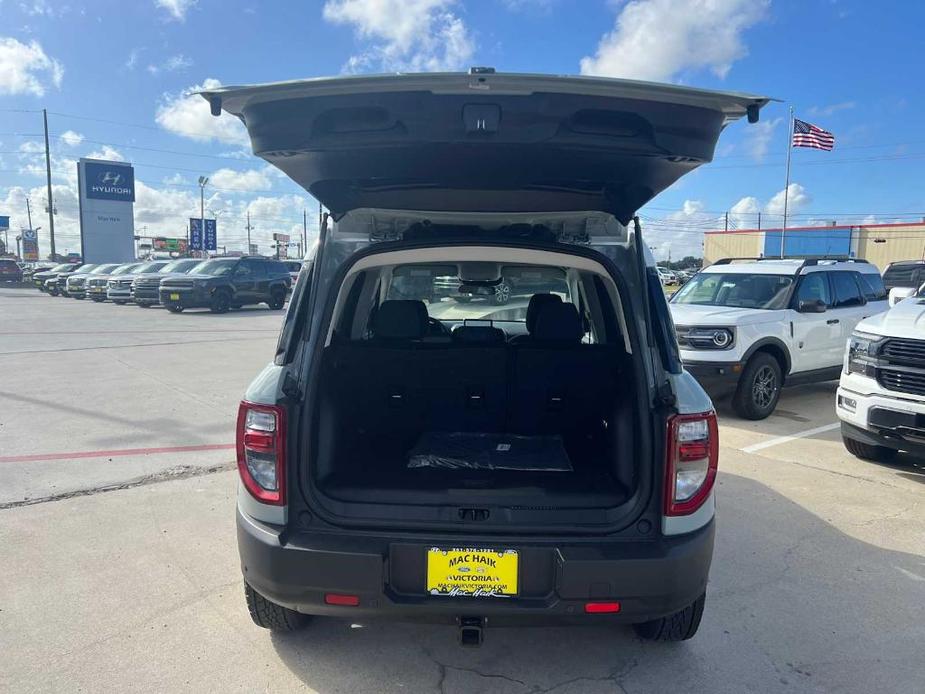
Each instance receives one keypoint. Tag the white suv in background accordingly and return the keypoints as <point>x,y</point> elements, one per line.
<point>749,326</point>
<point>881,395</point>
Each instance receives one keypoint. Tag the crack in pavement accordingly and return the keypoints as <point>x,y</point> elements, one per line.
<point>178,472</point>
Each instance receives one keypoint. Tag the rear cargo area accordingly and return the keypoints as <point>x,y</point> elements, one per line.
<point>543,422</point>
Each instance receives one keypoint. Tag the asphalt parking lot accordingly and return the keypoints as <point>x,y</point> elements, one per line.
<point>120,570</point>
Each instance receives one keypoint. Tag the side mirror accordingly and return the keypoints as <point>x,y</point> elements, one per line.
<point>812,306</point>
<point>897,294</point>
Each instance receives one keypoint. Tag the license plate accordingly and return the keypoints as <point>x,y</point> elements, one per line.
<point>473,573</point>
<point>174,297</point>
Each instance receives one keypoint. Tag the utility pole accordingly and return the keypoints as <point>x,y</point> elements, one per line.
<point>203,180</point>
<point>29,211</point>
<point>51,204</point>
<point>759,221</point>
<point>727,221</point>
<point>248,227</point>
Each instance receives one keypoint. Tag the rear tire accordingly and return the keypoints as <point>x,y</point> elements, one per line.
<point>759,387</point>
<point>679,626</point>
<point>53,292</point>
<point>271,616</point>
<point>119,302</point>
<point>220,303</point>
<point>143,305</point>
<point>866,451</point>
<point>174,308</point>
<point>277,299</point>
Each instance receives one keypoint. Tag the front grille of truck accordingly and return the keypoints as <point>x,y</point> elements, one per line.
<point>910,381</point>
<point>904,351</point>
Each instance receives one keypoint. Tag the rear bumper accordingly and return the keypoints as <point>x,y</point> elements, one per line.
<point>649,579</point>
<point>716,377</point>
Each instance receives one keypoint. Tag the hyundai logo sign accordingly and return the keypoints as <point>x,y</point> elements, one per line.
<point>105,181</point>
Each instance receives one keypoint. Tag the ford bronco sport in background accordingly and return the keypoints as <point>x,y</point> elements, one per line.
<point>881,395</point>
<point>905,274</point>
<point>750,326</point>
<point>220,284</point>
<point>403,458</point>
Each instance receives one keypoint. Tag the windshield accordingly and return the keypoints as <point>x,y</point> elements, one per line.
<point>150,267</point>
<point>125,269</point>
<point>103,269</point>
<point>214,267</point>
<point>184,265</point>
<point>87,269</point>
<point>736,290</point>
<point>504,298</point>
<point>62,268</point>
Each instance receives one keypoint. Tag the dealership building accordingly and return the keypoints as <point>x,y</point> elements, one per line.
<point>880,244</point>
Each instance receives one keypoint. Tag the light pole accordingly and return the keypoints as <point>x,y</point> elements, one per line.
<point>203,180</point>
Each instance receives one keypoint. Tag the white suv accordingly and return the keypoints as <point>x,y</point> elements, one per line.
<point>881,396</point>
<point>750,327</point>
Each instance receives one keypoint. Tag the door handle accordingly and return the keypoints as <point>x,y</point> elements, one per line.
<point>833,321</point>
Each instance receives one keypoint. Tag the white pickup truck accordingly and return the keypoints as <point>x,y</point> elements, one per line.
<point>881,394</point>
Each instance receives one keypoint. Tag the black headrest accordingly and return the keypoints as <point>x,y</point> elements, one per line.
<point>558,322</point>
<point>478,335</point>
<point>537,302</point>
<point>400,320</point>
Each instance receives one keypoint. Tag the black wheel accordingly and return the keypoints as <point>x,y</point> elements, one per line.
<point>119,302</point>
<point>867,451</point>
<point>759,387</point>
<point>97,300</point>
<point>271,616</point>
<point>679,626</point>
<point>53,291</point>
<point>143,305</point>
<point>220,303</point>
<point>277,299</point>
<point>502,294</point>
<point>174,308</point>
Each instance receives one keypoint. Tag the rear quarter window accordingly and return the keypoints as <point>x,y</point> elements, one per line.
<point>872,287</point>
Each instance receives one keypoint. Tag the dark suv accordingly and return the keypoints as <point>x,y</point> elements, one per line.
<point>906,274</point>
<point>224,283</point>
<point>10,271</point>
<point>411,457</point>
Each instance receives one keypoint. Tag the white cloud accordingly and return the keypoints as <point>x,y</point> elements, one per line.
<point>758,138</point>
<point>831,108</point>
<point>177,9</point>
<point>744,214</point>
<point>26,69</point>
<point>680,233</point>
<point>107,153</point>
<point>71,138</point>
<point>42,8</point>
<point>132,60</point>
<point>229,179</point>
<point>659,39</point>
<point>172,64</point>
<point>176,179</point>
<point>797,199</point>
<point>188,115</point>
<point>408,35</point>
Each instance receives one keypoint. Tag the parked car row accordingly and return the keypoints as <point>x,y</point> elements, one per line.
<point>751,327</point>
<point>218,284</point>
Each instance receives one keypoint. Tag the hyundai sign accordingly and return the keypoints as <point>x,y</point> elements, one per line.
<point>110,181</point>
<point>107,225</point>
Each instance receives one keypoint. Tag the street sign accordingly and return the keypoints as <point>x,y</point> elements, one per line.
<point>4,223</point>
<point>195,238</point>
<point>29,235</point>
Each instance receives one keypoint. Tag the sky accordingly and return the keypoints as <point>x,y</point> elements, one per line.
<point>116,79</point>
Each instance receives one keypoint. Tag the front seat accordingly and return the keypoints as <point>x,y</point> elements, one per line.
<point>537,303</point>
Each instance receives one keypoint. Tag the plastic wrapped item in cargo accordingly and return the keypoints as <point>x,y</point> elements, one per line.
<point>474,451</point>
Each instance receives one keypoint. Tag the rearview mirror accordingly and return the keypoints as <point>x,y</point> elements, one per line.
<point>812,306</point>
<point>897,294</point>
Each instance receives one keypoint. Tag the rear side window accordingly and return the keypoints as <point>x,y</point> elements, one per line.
<point>257,268</point>
<point>872,286</point>
<point>814,287</point>
<point>846,289</point>
<point>8,265</point>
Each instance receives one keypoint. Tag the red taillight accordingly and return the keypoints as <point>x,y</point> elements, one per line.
<point>340,599</point>
<point>261,446</point>
<point>692,456</point>
<point>602,607</point>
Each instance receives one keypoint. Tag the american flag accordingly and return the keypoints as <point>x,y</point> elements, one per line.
<point>808,135</point>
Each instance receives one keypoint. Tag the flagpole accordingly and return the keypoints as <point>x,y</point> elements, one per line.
<point>783,229</point>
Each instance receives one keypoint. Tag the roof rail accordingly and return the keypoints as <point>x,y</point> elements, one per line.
<point>808,260</point>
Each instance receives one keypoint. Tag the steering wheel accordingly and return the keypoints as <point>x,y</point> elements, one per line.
<point>436,328</point>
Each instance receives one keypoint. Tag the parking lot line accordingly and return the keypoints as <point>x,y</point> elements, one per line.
<point>115,453</point>
<point>776,441</point>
